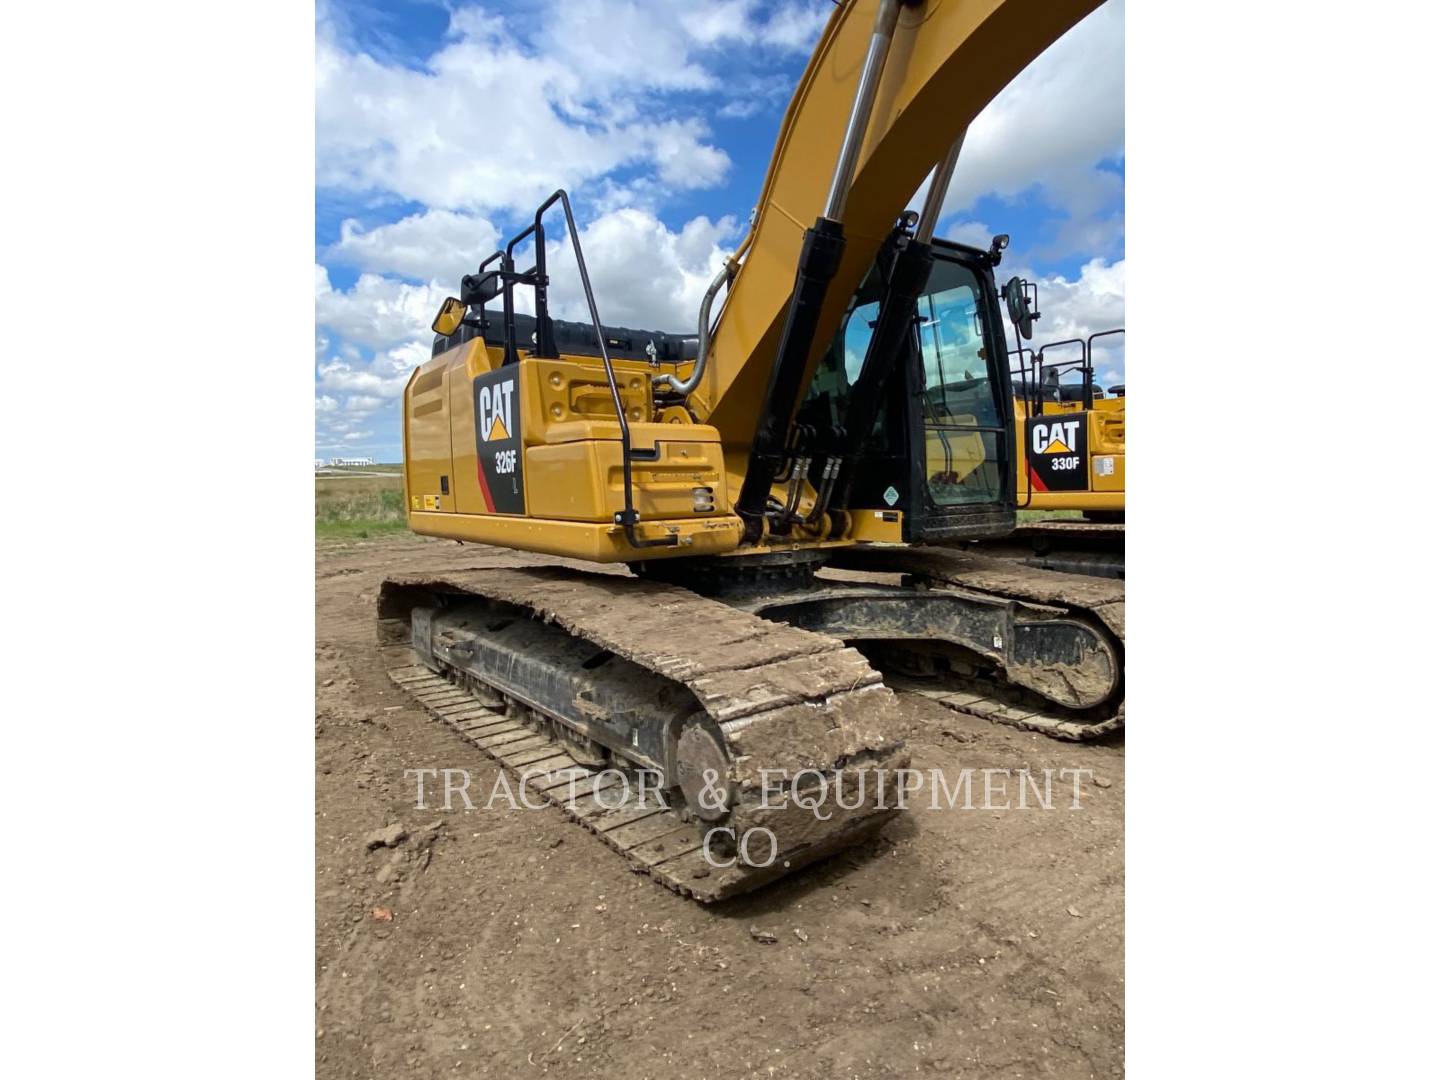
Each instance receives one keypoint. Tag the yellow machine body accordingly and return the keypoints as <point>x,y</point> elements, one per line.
<point>1099,456</point>
<point>559,420</point>
<point>557,434</point>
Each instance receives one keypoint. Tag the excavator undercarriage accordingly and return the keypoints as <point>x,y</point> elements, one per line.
<point>657,717</point>
<point>719,741</point>
<point>1096,549</point>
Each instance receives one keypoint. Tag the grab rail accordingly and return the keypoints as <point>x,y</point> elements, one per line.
<point>537,278</point>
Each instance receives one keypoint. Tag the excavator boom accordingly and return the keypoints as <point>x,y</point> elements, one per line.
<point>945,61</point>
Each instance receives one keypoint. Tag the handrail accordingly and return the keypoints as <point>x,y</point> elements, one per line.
<point>1040,372</point>
<point>1090,358</point>
<point>628,518</point>
<point>545,347</point>
<point>507,270</point>
<point>480,275</point>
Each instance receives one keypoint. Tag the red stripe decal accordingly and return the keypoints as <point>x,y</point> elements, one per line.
<point>484,485</point>
<point>1035,482</point>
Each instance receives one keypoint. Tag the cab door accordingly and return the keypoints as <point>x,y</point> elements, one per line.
<point>961,417</point>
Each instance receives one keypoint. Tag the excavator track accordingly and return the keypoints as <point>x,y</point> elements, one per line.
<point>1095,549</point>
<point>1096,601</point>
<point>1002,709</point>
<point>530,663</point>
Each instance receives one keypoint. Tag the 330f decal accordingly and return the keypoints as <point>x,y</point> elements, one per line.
<point>1055,451</point>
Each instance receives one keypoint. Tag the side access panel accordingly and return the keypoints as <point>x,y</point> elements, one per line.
<point>428,472</point>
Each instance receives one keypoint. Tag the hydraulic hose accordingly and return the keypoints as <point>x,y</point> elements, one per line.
<point>702,352</point>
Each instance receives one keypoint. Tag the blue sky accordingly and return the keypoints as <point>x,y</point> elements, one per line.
<point>439,127</point>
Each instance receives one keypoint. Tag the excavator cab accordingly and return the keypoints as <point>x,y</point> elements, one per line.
<point>938,457</point>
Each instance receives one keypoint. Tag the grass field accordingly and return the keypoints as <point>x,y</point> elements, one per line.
<point>358,470</point>
<point>1031,516</point>
<point>352,505</point>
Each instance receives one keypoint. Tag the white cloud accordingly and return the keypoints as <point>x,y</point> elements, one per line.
<point>1090,303</point>
<point>684,161</point>
<point>508,109</point>
<point>332,427</point>
<point>378,312</point>
<point>716,22</point>
<point>492,122</point>
<point>1051,126</point>
<point>644,274</point>
<point>608,44</point>
<point>438,244</point>
<point>795,26</point>
<point>612,98</point>
<point>792,27</point>
<point>411,354</point>
<point>975,233</point>
<point>353,418</point>
<point>361,379</point>
<point>392,320</point>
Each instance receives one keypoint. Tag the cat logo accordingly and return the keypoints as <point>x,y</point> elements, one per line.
<point>499,455</point>
<point>494,415</point>
<point>1057,438</point>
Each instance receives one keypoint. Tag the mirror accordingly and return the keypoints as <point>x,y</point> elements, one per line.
<point>452,313</point>
<point>1017,306</point>
<point>480,288</point>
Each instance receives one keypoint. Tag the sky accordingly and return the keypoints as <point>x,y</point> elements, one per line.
<point>441,126</point>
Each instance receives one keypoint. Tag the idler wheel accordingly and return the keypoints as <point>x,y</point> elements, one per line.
<point>703,768</point>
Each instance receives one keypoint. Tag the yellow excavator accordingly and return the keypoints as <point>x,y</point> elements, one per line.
<point>776,496</point>
<point>1071,434</point>
<point>1070,451</point>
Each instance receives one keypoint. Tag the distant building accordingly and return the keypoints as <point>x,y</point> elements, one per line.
<point>319,464</point>
<point>345,462</point>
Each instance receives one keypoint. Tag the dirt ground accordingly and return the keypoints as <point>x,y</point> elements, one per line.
<point>957,943</point>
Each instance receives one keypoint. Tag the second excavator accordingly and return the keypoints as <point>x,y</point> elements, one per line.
<point>774,498</point>
<point>1070,451</point>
